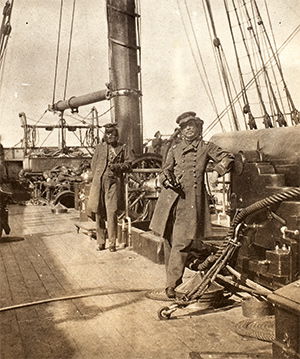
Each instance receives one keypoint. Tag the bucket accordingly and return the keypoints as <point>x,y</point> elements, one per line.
<point>254,307</point>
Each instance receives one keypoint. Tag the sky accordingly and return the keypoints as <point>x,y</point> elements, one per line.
<point>171,81</point>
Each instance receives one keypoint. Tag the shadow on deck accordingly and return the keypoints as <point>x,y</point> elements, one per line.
<point>44,258</point>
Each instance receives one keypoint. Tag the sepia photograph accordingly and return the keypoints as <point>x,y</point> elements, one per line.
<point>150,179</point>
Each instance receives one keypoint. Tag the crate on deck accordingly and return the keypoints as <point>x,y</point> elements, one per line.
<point>287,321</point>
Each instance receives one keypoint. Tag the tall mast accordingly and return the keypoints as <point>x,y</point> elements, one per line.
<point>124,71</point>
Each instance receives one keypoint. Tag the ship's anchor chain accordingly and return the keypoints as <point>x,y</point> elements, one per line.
<point>225,252</point>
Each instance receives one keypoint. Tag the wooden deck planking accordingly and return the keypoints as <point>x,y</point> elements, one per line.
<point>140,318</point>
<point>42,270</point>
<point>32,278</point>
<point>19,291</point>
<point>59,272</point>
<point>54,260</point>
<point>35,338</point>
<point>11,345</point>
<point>6,295</point>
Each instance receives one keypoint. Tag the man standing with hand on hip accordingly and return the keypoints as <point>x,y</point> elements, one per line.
<point>181,215</point>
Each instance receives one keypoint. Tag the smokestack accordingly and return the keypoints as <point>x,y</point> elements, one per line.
<point>124,71</point>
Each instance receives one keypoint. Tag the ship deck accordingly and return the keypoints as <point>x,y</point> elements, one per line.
<point>44,257</point>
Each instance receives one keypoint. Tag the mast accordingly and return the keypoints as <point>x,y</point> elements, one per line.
<point>124,71</point>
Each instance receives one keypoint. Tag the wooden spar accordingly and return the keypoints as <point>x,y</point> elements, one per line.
<point>75,102</point>
<point>124,71</point>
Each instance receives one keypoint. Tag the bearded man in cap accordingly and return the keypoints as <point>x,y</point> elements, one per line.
<point>109,163</point>
<point>181,215</point>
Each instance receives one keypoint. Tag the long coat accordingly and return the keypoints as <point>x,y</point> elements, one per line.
<point>99,167</point>
<point>187,161</point>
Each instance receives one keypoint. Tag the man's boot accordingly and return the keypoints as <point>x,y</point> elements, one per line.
<point>170,292</point>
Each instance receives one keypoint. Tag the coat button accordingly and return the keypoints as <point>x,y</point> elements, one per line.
<point>195,186</point>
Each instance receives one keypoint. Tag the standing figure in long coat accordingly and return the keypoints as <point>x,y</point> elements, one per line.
<point>181,215</point>
<point>106,199</point>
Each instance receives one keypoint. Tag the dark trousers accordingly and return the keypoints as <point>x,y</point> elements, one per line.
<point>110,206</point>
<point>176,250</point>
<point>176,254</point>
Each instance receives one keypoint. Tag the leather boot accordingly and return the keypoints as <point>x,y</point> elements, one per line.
<point>170,292</point>
<point>101,247</point>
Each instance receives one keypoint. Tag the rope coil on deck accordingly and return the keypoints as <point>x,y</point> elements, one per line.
<point>260,328</point>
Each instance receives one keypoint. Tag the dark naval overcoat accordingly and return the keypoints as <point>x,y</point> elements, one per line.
<point>100,168</point>
<point>187,161</point>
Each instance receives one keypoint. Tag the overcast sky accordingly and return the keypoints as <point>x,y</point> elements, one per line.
<point>171,83</point>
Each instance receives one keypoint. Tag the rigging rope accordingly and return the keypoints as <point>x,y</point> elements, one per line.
<point>249,41</point>
<point>244,92</point>
<point>41,117</point>
<point>276,58</point>
<point>263,83</point>
<point>218,69</point>
<point>202,63</point>
<point>2,65</point>
<point>250,61</point>
<point>81,142</point>
<point>221,56</point>
<point>57,49</point>
<point>69,50</point>
<point>193,54</point>
<point>267,124</point>
<point>249,83</point>
<point>5,29</point>
<point>233,85</point>
<point>45,139</point>
<point>3,48</point>
<point>81,120</point>
<point>279,114</point>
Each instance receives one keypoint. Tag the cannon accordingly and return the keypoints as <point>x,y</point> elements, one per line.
<point>267,165</point>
